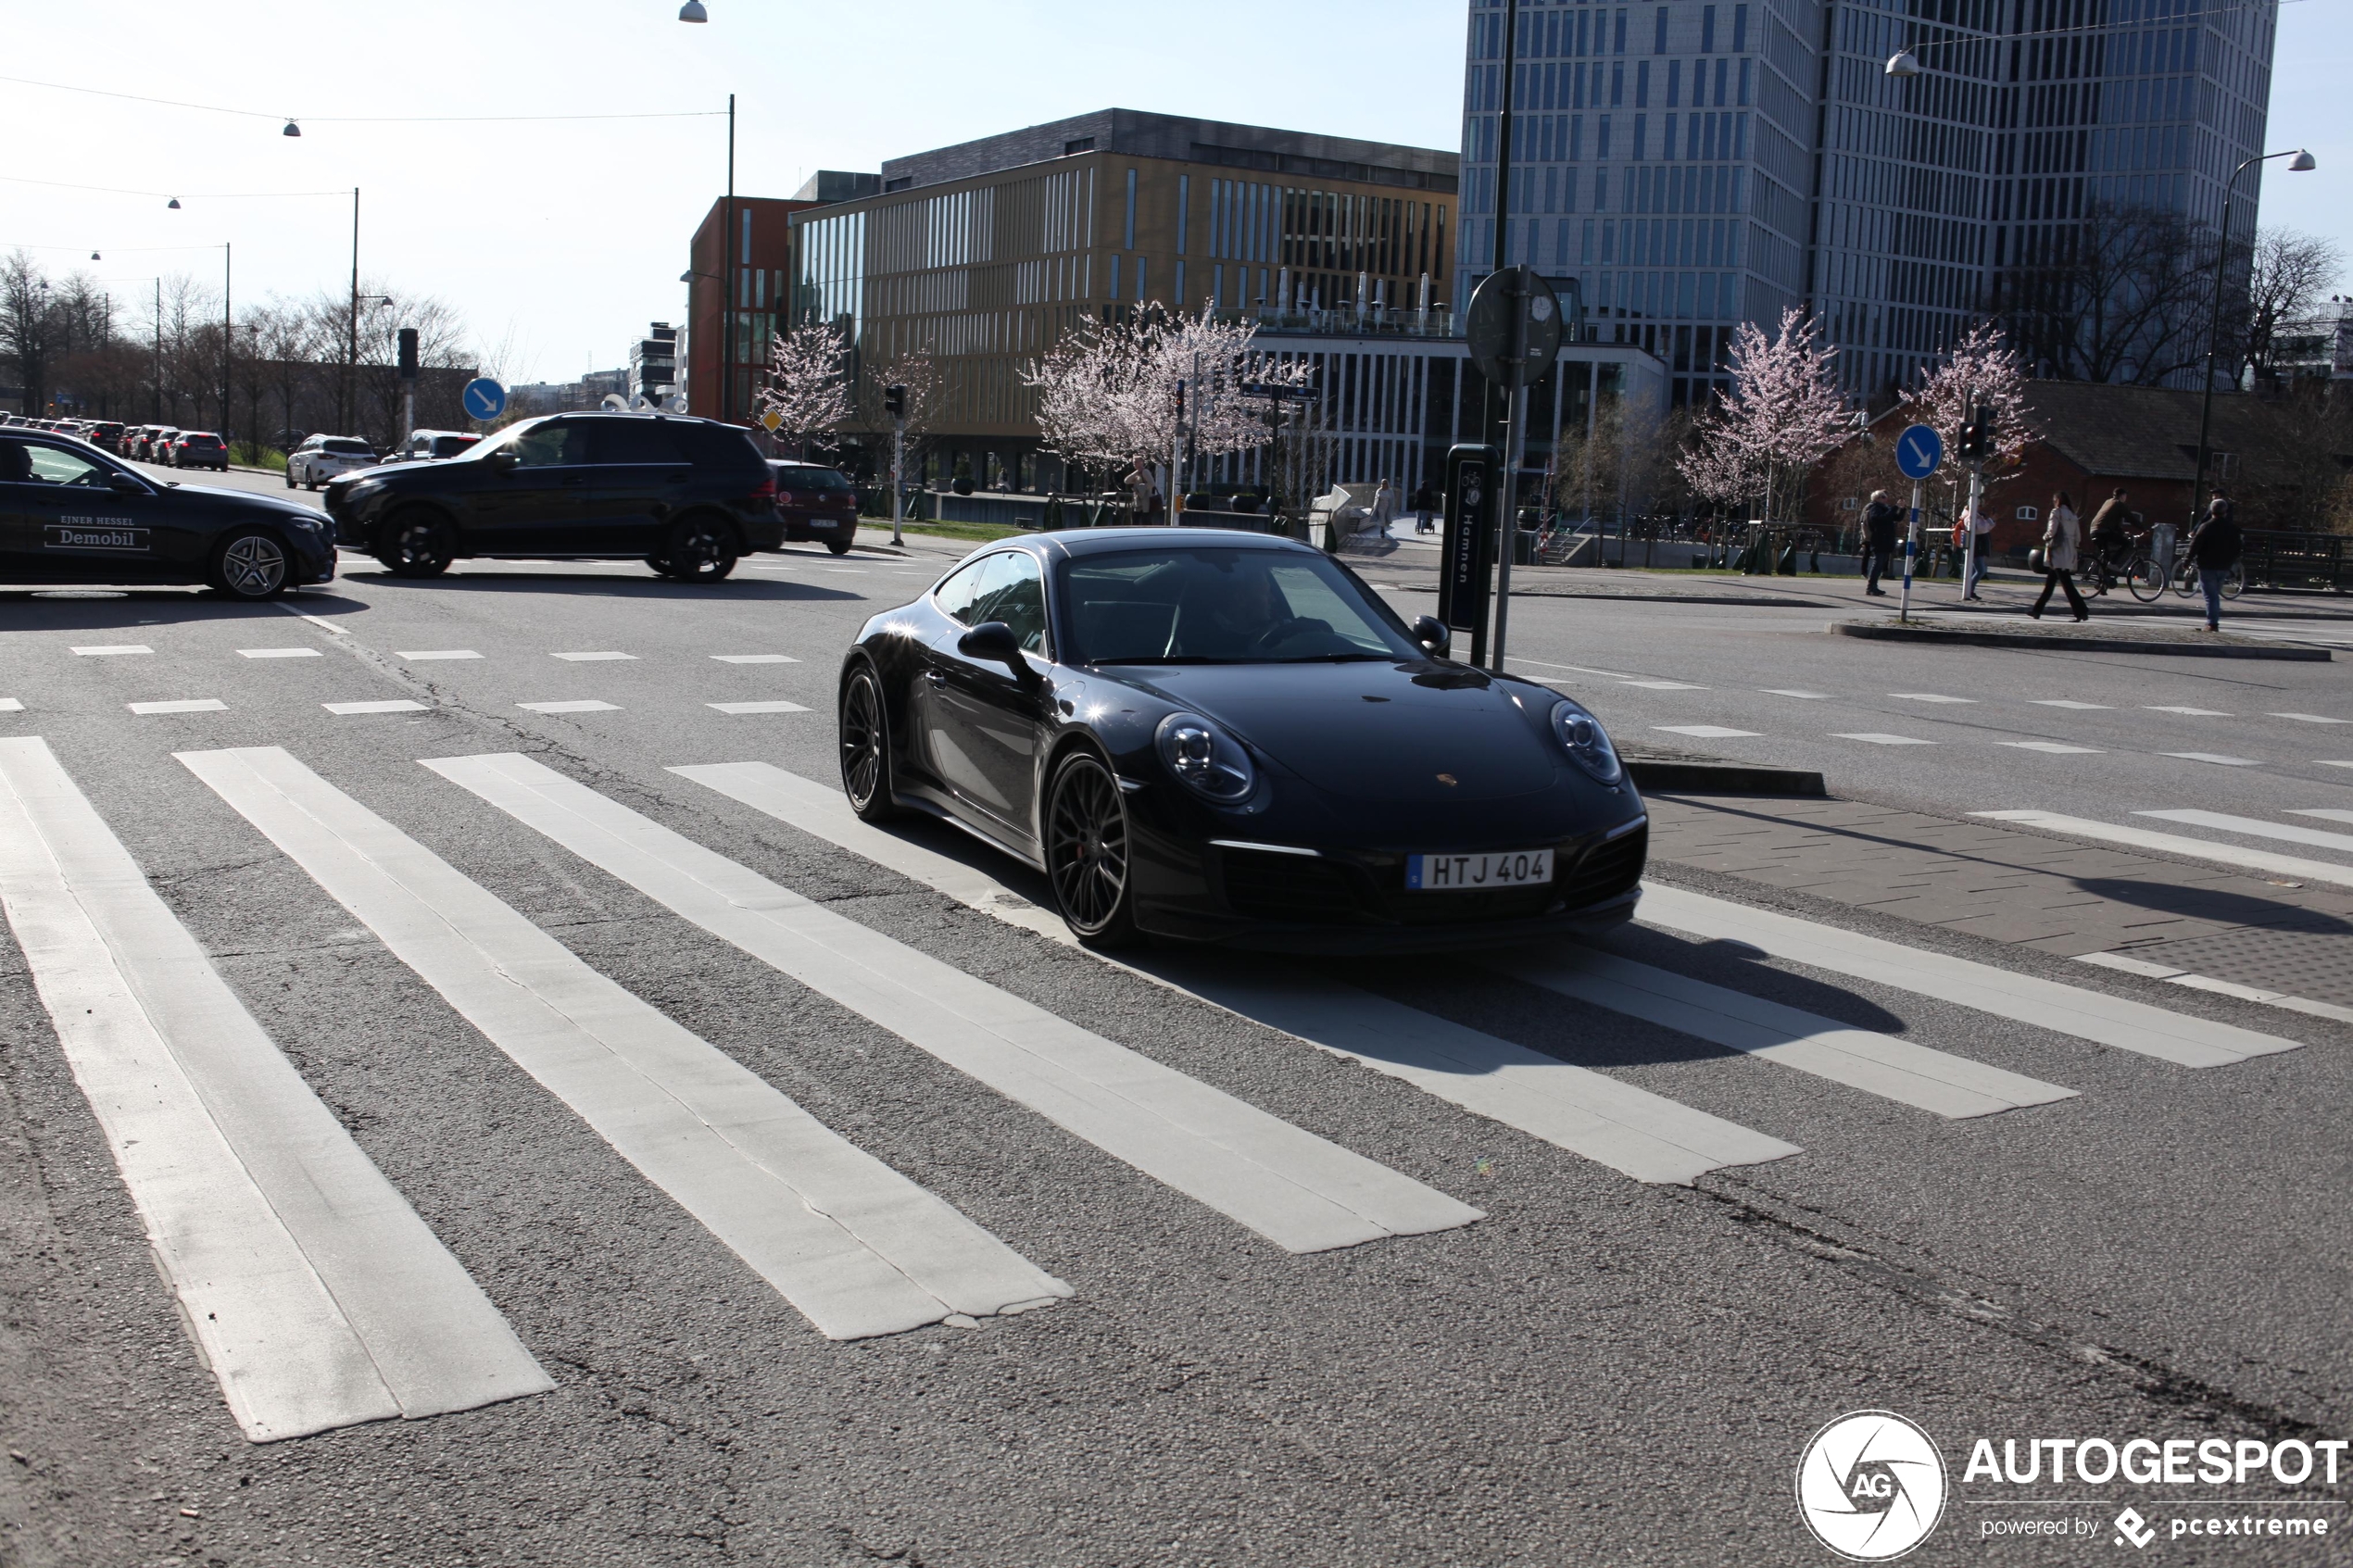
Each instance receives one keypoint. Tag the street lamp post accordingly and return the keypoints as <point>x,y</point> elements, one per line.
<point>2300,162</point>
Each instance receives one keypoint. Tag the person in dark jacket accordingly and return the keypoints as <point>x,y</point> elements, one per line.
<point>2215,549</point>
<point>1878,541</point>
<point>2107,538</point>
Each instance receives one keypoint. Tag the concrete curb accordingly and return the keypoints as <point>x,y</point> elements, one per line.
<point>1706,775</point>
<point>2060,642</point>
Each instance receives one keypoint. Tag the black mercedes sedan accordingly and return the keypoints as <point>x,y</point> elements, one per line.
<point>70,513</point>
<point>687,497</point>
<point>1228,738</point>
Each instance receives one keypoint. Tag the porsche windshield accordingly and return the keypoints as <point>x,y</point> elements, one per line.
<point>1210,606</point>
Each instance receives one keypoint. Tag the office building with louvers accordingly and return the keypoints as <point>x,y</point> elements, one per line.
<point>1695,164</point>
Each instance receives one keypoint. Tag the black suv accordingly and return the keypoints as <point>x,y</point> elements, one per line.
<point>684,496</point>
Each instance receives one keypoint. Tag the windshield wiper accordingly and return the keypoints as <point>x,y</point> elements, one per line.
<point>1340,659</point>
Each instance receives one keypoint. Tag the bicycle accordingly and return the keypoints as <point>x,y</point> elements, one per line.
<point>2186,580</point>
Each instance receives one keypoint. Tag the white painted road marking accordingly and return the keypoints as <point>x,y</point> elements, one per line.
<point>1705,732</point>
<point>2326,814</point>
<point>859,1248</point>
<point>11,705</point>
<point>2063,702</point>
<point>184,705</point>
<point>586,704</point>
<point>755,659</point>
<point>2115,1021</point>
<point>1928,697</point>
<point>112,649</point>
<point>2176,844</point>
<point>1879,738</point>
<point>592,658</point>
<point>1877,1064</point>
<point>1302,1193</point>
<point>1631,1130</point>
<point>2255,827</point>
<point>1809,696</point>
<point>2201,982</point>
<point>757,707</point>
<point>2192,712</point>
<point>2312,718</point>
<point>281,653</point>
<point>393,706</point>
<point>2053,747</point>
<point>1664,685</point>
<point>439,653</point>
<point>2215,759</point>
<point>318,1297</point>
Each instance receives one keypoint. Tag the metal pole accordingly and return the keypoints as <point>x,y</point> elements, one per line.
<point>727,280</point>
<point>158,399</point>
<point>897,479</point>
<point>1515,433</point>
<point>1969,543</point>
<point>2214,341</point>
<point>1507,521</point>
<point>1911,549</point>
<point>351,361</point>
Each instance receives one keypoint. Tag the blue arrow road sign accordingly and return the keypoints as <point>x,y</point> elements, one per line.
<point>485,399</point>
<point>1918,450</point>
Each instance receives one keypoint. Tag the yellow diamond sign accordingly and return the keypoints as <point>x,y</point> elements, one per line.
<point>770,421</point>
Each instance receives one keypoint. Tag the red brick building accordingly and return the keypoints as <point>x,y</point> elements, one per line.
<point>2096,439</point>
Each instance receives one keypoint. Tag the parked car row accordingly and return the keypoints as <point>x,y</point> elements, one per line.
<point>166,444</point>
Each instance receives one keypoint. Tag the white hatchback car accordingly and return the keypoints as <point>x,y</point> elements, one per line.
<point>323,458</point>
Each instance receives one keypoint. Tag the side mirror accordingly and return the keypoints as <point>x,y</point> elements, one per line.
<point>993,641</point>
<point>506,460</point>
<point>1432,634</point>
<point>126,484</point>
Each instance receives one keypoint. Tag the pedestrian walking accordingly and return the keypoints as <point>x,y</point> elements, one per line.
<point>1878,542</point>
<point>1981,525</point>
<point>1384,507</point>
<point>1425,503</point>
<point>2214,548</point>
<point>2059,545</point>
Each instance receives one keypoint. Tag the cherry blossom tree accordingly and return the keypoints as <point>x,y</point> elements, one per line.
<point>807,384</point>
<point>1982,368</point>
<point>1784,415</point>
<point>1109,391</point>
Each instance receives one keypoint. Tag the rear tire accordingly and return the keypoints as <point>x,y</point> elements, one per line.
<point>415,543</point>
<point>249,564</point>
<point>290,476</point>
<point>864,733</point>
<point>699,549</point>
<point>838,546</point>
<point>1088,853</point>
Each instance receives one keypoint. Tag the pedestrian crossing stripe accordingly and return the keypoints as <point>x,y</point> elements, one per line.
<point>1603,1119</point>
<point>317,1298</point>
<point>857,1248</point>
<point>1300,1191</point>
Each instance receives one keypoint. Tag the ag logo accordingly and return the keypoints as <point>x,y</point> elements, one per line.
<point>1871,1486</point>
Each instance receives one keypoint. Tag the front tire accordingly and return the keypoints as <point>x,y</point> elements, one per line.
<point>2146,582</point>
<point>865,746</point>
<point>699,549</point>
<point>415,543</point>
<point>1088,853</point>
<point>250,564</point>
<point>290,476</point>
<point>838,546</point>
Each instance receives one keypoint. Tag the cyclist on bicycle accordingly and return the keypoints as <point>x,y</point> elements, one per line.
<point>2111,540</point>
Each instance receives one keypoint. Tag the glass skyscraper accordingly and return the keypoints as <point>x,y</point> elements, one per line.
<point>1693,163</point>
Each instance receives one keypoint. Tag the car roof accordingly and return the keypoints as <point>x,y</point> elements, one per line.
<point>1100,541</point>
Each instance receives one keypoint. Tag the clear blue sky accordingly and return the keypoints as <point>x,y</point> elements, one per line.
<point>561,241</point>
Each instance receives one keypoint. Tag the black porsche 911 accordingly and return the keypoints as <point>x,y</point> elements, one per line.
<point>70,513</point>
<point>1227,738</point>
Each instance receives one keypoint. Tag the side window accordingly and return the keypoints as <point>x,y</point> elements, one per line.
<point>631,441</point>
<point>49,466</point>
<point>557,444</point>
<point>955,595</point>
<point>1013,593</point>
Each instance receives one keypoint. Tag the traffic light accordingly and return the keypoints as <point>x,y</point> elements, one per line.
<point>408,354</point>
<point>1180,400</point>
<point>895,402</point>
<point>1977,434</point>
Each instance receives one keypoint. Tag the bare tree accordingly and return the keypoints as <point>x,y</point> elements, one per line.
<point>2288,278</point>
<point>2120,296</point>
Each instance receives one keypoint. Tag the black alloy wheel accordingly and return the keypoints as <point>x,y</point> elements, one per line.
<point>865,746</point>
<point>1087,853</point>
<point>249,564</point>
<point>697,549</point>
<point>415,543</point>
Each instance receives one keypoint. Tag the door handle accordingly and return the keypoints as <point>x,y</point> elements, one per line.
<point>935,677</point>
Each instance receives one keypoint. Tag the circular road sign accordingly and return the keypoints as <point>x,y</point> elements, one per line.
<point>1514,327</point>
<point>484,398</point>
<point>1919,451</point>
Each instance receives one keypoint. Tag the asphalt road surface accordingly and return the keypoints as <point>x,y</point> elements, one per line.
<point>707,1183</point>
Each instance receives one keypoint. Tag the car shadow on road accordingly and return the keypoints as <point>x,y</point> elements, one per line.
<point>2219,905</point>
<point>98,609</point>
<point>594,586</point>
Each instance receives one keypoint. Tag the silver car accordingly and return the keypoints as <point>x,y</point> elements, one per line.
<point>323,458</point>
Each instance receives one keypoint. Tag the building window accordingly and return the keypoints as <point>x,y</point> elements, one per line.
<point>1139,278</point>
<point>1183,215</point>
<point>1114,277</point>
<point>1740,30</point>
<point>1180,282</point>
<point>1658,44</point>
<point>1131,212</point>
<point>1078,144</point>
<point>1642,85</point>
<point>1707,30</point>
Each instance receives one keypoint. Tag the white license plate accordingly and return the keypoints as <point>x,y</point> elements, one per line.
<point>1456,873</point>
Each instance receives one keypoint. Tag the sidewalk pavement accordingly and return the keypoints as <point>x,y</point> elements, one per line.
<point>2008,885</point>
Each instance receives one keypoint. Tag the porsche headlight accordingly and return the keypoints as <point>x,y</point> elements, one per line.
<point>1587,743</point>
<point>1206,758</point>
